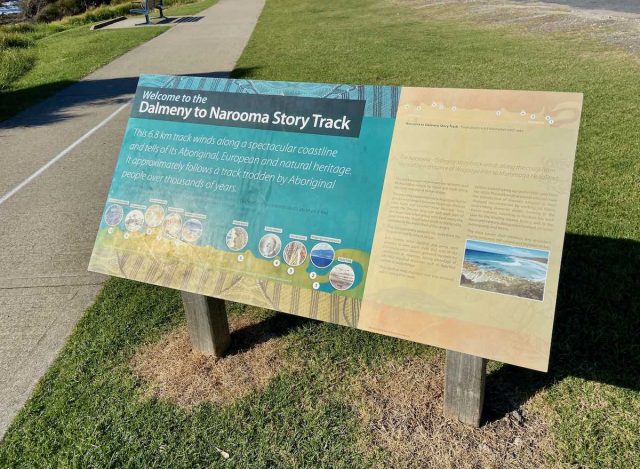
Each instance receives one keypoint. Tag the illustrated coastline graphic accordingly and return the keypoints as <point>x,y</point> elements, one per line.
<point>164,261</point>
<point>151,235</point>
<point>505,269</point>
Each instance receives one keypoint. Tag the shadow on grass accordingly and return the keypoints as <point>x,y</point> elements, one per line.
<point>273,327</point>
<point>596,334</point>
<point>66,94</point>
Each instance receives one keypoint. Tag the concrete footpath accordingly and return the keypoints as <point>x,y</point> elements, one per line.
<point>65,150</point>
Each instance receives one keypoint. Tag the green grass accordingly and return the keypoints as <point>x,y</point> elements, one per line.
<point>59,56</point>
<point>87,410</point>
<point>37,60</point>
<point>122,8</point>
<point>189,8</point>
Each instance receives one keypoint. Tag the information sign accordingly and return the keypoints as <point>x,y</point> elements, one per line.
<point>434,215</point>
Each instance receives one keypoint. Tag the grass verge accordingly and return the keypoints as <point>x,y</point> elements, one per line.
<point>187,8</point>
<point>60,55</point>
<point>91,409</point>
<point>37,60</point>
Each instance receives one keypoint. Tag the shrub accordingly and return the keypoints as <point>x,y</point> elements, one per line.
<point>48,13</point>
<point>59,9</point>
<point>100,14</point>
<point>22,28</point>
<point>14,63</point>
<point>10,40</point>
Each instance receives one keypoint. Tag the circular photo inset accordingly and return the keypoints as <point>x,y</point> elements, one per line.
<point>114,214</point>
<point>322,255</point>
<point>191,230</point>
<point>295,253</point>
<point>237,238</point>
<point>269,245</point>
<point>134,220</point>
<point>154,216</point>
<point>342,277</point>
<point>173,225</point>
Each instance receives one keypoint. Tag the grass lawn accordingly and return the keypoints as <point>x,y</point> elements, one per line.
<point>60,58</point>
<point>345,398</point>
<point>187,8</point>
<point>37,60</point>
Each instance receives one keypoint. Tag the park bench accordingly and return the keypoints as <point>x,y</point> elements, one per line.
<point>146,6</point>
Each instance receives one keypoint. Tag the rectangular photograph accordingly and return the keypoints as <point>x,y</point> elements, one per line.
<point>505,269</point>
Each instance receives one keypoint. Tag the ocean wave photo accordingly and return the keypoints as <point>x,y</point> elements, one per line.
<point>505,269</point>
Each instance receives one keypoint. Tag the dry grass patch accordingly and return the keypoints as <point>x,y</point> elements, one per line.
<point>401,406</point>
<point>172,371</point>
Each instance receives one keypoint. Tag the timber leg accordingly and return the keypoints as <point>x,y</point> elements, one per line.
<point>207,323</point>
<point>464,387</point>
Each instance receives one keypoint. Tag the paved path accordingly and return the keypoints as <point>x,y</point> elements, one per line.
<point>47,227</point>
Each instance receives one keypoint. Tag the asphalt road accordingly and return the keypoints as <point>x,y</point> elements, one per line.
<point>56,161</point>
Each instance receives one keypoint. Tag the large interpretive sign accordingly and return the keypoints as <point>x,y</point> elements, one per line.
<point>434,215</point>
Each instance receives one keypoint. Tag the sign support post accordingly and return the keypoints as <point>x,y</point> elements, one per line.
<point>207,323</point>
<point>464,387</point>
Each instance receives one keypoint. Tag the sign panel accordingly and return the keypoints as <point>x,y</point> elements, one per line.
<point>434,215</point>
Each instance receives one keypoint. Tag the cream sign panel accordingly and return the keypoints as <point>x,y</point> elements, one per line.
<point>468,243</point>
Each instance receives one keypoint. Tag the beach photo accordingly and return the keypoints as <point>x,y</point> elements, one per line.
<point>501,268</point>
<point>322,255</point>
<point>192,230</point>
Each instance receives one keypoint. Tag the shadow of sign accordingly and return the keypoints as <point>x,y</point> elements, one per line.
<point>596,327</point>
<point>65,94</point>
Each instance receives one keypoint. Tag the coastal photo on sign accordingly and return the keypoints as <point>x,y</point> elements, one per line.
<point>500,268</point>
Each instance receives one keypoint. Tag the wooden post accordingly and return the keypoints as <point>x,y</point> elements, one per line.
<point>464,387</point>
<point>207,323</point>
